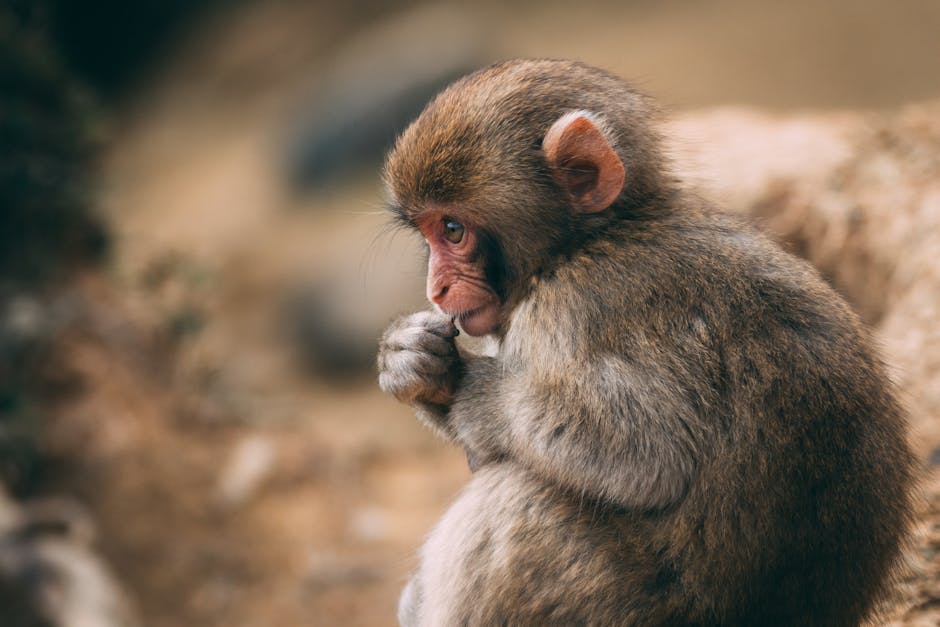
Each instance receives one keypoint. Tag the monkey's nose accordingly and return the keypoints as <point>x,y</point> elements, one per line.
<point>437,293</point>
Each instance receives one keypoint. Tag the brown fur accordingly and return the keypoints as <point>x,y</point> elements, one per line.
<point>682,424</point>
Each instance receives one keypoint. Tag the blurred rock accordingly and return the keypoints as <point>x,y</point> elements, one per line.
<point>29,325</point>
<point>330,337</point>
<point>334,320</point>
<point>328,568</point>
<point>29,322</point>
<point>250,463</point>
<point>934,458</point>
<point>49,572</point>
<point>378,83</point>
<point>369,524</point>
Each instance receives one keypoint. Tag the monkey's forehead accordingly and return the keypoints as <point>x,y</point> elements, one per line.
<point>474,136</point>
<point>461,160</point>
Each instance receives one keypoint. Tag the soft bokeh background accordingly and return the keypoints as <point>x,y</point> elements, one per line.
<point>195,266</point>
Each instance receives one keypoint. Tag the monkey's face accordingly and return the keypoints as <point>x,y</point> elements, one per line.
<point>460,275</point>
<point>470,273</point>
<point>503,176</point>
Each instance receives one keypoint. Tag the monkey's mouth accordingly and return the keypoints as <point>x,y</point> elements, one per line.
<point>480,321</point>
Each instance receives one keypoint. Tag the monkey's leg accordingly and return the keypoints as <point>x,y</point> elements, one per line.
<point>515,550</point>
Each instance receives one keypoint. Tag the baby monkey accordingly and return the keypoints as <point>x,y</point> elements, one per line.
<point>681,425</point>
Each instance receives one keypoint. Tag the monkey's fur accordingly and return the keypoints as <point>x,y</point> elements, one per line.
<point>682,424</point>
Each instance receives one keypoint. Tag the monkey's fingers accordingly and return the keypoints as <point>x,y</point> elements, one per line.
<point>419,362</point>
<point>421,340</point>
<point>435,322</point>
<point>410,386</point>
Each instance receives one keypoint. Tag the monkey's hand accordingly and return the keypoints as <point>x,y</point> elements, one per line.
<point>418,361</point>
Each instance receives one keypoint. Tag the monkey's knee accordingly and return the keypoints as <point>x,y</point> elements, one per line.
<point>408,604</point>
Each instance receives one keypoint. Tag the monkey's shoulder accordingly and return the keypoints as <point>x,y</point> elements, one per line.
<point>698,255</point>
<point>702,270</point>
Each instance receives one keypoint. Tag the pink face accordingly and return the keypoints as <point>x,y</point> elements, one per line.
<point>456,275</point>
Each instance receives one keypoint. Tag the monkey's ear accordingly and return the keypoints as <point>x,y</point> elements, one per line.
<point>583,163</point>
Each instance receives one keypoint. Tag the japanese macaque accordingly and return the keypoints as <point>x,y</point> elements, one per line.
<point>681,424</point>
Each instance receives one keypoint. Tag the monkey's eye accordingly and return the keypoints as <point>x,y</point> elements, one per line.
<point>453,231</point>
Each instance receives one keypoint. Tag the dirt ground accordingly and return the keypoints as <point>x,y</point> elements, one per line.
<point>229,486</point>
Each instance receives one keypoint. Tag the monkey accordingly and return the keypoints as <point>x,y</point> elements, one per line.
<point>680,423</point>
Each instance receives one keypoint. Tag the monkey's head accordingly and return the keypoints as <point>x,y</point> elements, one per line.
<point>512,168</point>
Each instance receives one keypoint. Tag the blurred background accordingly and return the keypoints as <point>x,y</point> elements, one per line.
<point>195,265</point>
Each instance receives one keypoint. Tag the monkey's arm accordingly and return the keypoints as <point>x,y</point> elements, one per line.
<point>419,364</point>
<point>606,428</point>
<point>609,429</point>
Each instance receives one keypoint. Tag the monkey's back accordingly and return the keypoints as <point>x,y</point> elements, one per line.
<point>801,499</point>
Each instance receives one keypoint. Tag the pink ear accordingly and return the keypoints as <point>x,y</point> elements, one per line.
<point>583,163</point>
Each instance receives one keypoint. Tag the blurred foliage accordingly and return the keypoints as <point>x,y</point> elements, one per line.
<point>18,610</point>
<point>29,377</point>
<point>48,227</point>
<point>46,224</point>
<point>110,44</point>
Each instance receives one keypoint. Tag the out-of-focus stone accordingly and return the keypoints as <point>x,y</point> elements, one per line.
<point>250,463</point>
<point>378,83</point>
<point>49,573</point>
